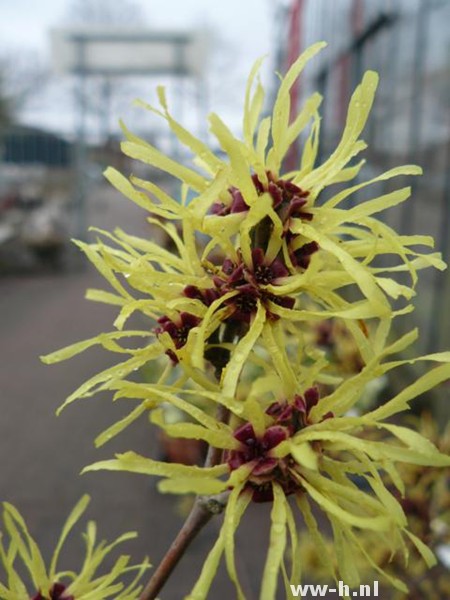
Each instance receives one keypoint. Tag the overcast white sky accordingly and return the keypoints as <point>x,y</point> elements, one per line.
<point>245,28</point>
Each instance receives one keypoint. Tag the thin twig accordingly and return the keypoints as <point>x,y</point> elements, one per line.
<point>204,508</point>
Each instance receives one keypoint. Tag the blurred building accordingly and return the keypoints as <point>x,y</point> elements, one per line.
<point>36,181</point>
<point>408,43</point>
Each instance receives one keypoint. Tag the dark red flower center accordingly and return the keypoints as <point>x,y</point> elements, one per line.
<point>288,199</point>
<point>178,330</point>
<point>55,593</point>
<point>289,202</point>
<point>263,274</point>
<point>288,419</point>
<point>295,415</point>
<point>255,451</point>
<point>248,281</point>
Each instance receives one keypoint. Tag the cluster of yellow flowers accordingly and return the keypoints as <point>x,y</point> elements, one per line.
<point>260,259</point>
<point>82,585</point>
<point>426,504</point>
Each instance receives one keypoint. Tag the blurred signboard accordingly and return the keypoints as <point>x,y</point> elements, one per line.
<point>128,51</point>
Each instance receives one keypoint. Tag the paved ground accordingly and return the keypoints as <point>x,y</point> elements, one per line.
<point>41,455</point>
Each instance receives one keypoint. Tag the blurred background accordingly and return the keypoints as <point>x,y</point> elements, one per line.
<point>68,72</point>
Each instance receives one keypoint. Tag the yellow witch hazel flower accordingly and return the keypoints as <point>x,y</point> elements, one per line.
<point>51,584</point>
<point>427,507</point>
<point>260,259</point>
<point>278,446</point>
<point>275,243</point>
<point>276,257</point>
